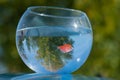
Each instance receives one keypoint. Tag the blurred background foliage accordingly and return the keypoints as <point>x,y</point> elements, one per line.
<point>104,59</point>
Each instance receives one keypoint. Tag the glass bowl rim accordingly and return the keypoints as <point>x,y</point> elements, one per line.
<point>58,8</point>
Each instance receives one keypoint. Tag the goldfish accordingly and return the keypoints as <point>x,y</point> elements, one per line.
<point>65,48</point>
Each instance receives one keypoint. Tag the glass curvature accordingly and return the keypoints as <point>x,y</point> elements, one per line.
<point>52,40</point>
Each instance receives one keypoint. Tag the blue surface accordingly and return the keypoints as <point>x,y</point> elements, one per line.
<point>36,76</point>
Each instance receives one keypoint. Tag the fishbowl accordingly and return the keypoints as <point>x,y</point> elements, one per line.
<point>53,40</point>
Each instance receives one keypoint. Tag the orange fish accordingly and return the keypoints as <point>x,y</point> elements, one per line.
<point>65,48</point>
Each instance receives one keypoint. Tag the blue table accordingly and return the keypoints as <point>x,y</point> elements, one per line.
<point>36,76</point>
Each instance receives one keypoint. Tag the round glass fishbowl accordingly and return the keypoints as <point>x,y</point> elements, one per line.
<point>52,40</point>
